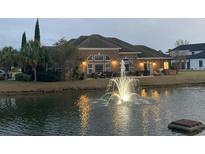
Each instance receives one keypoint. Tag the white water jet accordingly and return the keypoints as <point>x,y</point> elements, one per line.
<point>122,89</point>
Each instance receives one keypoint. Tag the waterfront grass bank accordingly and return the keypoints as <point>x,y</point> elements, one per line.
<point>183,78</point>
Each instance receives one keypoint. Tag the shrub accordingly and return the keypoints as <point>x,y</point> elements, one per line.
<point>48,76</point>
<point>76,75</point>
<point>22,77</point>
<point>2,78</point>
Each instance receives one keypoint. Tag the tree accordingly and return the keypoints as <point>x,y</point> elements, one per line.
<point>8,58</point>
<point>44,58</point>
<point>181,42</point>
<point>37,32</point>
<point>32,55</point>
<point>180,56</point>
<point>23,42</point>
<point>65,56</point>
<point>61,42</point>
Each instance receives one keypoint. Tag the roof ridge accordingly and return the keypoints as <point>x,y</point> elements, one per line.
<point>97,40</point>
<point>198,55</point>
<point>125,45</point>
<point>194,46</point>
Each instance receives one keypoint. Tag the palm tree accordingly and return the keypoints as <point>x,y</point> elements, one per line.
<point>32,55</point>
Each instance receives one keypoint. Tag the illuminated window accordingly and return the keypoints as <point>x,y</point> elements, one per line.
<point>166,65</point>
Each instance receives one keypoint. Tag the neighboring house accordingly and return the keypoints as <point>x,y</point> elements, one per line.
<point>191,56</point>
<point>196,61</point>
<point>104,54</point>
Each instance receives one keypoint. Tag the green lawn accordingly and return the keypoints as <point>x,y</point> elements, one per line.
<point>21,87</point>
<point>192,77</point>
<point>192,73</point>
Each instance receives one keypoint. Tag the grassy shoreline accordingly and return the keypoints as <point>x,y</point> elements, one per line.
<point>15,87</point>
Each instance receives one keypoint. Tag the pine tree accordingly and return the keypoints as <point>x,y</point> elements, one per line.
<point>23,42</point>
<point>37,32</point>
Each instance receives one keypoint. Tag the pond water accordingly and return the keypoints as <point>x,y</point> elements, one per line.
<point>81,113</point>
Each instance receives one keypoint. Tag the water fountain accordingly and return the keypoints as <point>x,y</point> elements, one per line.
<point>121,89</point>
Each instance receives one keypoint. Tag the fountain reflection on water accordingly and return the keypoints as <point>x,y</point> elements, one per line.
<point>84,109</point>
<point>123,89</point>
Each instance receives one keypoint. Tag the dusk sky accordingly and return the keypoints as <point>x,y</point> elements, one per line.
<point>159,34</point>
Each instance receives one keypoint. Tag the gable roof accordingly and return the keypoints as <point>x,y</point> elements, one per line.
<point>149,52</point>
<point>98,41</point>
<point>197,56</point>
<point>92,41</point>
<point>191,47</point>
<point>122,44</point>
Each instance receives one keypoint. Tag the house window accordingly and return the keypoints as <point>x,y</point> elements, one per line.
<point>107,68</point>
<point>99,68</point>
<point>200,63</point>
<point>127,67</point>
<point>107,58</point>
<point>166,65</point>
<point>90,58</point>
<point>188,65</point>
<point>99,57</point>
<point>90,68</point>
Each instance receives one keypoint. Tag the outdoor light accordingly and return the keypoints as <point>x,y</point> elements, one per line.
<point>84,63</point>
<point>141,64</point>
<point>114,62</point>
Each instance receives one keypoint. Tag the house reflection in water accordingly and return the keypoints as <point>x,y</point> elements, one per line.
<point>120,117</point>
<point>154,94</point>
<point>7,103</point>
<point>84,109</point>
<point>143,93</point>
<point>150,111</point>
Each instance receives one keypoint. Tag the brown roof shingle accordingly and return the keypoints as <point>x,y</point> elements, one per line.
<point>149,52</point>
<point>98,41</point>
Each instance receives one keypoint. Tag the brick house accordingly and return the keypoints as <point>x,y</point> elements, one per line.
<point>103,54</point>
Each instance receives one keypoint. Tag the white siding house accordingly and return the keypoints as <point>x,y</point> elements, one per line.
<point>195,64</point>
<point>193,56</point>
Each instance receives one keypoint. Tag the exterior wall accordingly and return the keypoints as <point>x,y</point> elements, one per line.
<point>156,64</point>
<point>131,60</point>
<point>194,64</point>
<point>113,54</point>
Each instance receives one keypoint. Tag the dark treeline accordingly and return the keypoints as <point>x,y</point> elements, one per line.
<point>39,62</point>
